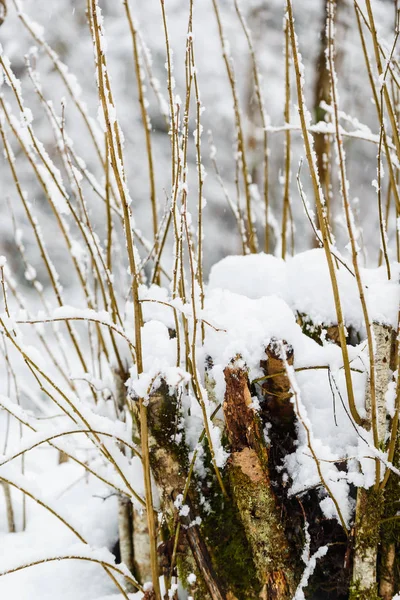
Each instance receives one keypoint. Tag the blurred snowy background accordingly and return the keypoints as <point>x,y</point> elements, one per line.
<point>66,30</point>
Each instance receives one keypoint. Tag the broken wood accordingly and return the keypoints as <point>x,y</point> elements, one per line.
<point>252,492</point>
<point>276,387</point>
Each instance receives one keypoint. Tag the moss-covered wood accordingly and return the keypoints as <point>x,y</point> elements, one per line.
<point>252,492</point>
<point>225,536</point>
<point>169,463</point>
<point>369,510</point>
<point>389,571</point>
<point>327,331</point>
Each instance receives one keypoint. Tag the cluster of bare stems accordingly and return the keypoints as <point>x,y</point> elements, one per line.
<point>98,341</point>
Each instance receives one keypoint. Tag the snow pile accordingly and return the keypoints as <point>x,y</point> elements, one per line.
<point>254,299</point>
<point>303,282</point>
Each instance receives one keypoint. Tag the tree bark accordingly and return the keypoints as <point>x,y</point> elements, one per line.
<point>125,534</point>
<point>251,490</point>
<point>370,502</point>
<point>141,546</point>
<point>3,11</point>
<point>9,507</point>
<point>169,462</point>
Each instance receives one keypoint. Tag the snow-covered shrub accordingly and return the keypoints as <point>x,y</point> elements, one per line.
<point>167,433</point>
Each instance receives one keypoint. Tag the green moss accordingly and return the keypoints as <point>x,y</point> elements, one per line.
<point>356,593</point>
<point>186,565</point>
<point>369,517</point>
<point>164,417</point>
<point>229,534</point>
<point>226,539</point>
<point>261,521</point>
<point>230,550</point>
<point>391,528</point>
<point>318,332</point>
<point>309,328</point>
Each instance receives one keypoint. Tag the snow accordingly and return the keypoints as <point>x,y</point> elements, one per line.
<point>45,537</point>
<point>303,282</point>
<point>249,301</point>
<point>308,571</point>
<point>254,275</point>
<point>239,303</point>
<point>66,388</point>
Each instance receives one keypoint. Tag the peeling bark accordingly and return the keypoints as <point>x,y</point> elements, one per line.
<point>251,489</point>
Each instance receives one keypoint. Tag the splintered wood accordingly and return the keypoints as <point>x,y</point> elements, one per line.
<point>276,387</point>
<point>251,489</point>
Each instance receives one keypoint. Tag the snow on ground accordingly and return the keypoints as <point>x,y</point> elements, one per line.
<point>86,502</point>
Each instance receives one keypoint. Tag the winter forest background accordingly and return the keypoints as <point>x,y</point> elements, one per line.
<point>199,299</point>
